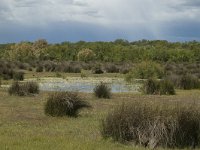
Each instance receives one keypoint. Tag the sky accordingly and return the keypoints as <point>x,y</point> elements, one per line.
<point>99,20</point>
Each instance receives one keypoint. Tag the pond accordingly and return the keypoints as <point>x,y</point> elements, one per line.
<point>117,85</point>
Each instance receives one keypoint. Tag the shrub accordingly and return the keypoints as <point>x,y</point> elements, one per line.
<point>39,69</point>
<point>111,68</point>
<point>163,87</point>
<point>6,73</point>
<point>18,76</point>
<point>16,89</point>
<point>166,87</point>
<point>154,125</point>
<point>23,89</point>
<point>32,87</point>
<point>102,91</point>
<point>65,104</point>
<point>146,70</point>
<point>97,70</point>
<point>151,86</point>
<point>175,79</point>
<point>188,82</point>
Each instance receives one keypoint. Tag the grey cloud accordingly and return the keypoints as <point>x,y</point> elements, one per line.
<point>192,3</point>
<point>119,17</point>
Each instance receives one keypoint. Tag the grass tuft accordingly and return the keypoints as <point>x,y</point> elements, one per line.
<point>23,89</point>
<point>65,104</point>
<point>102,91</point>
<point>154,125</point>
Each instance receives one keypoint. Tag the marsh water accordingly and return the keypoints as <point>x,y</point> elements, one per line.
<point>117,85</point>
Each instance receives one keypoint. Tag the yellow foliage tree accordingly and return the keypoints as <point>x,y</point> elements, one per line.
<point>86,55</point>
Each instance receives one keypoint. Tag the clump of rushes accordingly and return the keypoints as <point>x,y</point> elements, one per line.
<point>23,89</point>
<point>155,87</point>
<point>166,88</point>
<point>151,86</point>
<point>18,76</point>
<point>102,90</point>
<point>188,82</point>
<point>154,125</point>
<point>32,87</point>
<point>65,104</point>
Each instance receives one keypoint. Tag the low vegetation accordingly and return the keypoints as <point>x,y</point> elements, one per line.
<point>102,90</point>
<point>145,70</point>
<point>152,121</point>
<point>154,125</point>
<point>65,104</point>
<point>18,76</point>
<point>155,87</point>
<point>188,82</point>
<point>23,89</point>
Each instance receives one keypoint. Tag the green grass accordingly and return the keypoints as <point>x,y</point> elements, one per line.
<point>23,124</point>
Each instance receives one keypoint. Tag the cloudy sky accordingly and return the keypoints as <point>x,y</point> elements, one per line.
<point>94,20</point>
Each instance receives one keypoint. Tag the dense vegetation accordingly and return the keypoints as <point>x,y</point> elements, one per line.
<point>164,66</point>
<point>117,51</point>
<point>152,125</point>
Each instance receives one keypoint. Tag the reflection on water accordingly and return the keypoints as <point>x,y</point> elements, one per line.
<point>86,85</point>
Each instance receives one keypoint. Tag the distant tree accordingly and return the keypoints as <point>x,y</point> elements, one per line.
<point>39,47</point>
<point>121,42</point>
<point>21,51</point>
<point>86,55</point>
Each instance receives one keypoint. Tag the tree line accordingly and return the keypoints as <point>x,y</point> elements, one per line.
<point>116,51</point>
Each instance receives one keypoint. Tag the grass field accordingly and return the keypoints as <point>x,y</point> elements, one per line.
<point>23,124</point>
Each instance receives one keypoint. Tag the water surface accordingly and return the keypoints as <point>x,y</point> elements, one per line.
<point>117,85</point>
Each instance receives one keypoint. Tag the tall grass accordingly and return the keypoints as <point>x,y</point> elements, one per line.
<point>154,125</point>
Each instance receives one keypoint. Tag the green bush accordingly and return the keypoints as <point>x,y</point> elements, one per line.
<point>145,70</point>
<point>39,69</point>
<point>23,89</point>
<point>18,76</point>
<point>97,69</point>
<point>188,82</point>
<point>162,87</point>
<point>154,125</point>
<point>111,68</point>
<point>31,87</point>
<point>102,91</point>
<point>166,87</point>
<point>151,86</point>
<point>65,104</point>
<point>6,72</point>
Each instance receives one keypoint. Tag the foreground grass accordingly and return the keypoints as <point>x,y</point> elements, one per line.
<point>23,124</point>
